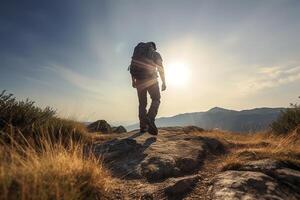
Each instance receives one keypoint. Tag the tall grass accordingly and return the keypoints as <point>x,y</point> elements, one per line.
<point>52,172</point>
<point>43,157</point>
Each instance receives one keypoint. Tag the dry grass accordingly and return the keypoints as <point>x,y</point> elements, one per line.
<point>247,147</point>
<point>42,156</point>
<point>51,172</point>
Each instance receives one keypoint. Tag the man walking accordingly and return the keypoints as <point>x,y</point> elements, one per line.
<point>143,68</point>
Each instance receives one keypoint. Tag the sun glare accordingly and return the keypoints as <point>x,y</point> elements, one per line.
<point>177,74</point>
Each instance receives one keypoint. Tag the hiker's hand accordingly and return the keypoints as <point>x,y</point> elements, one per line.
<point>133,84</point>
<point>163,87</point>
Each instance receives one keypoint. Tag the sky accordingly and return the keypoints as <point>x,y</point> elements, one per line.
<point>73,55</point>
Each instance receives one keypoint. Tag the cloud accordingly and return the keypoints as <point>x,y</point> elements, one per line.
<point>85,83</point>
<point>270,77</point>
<point>37,81</point>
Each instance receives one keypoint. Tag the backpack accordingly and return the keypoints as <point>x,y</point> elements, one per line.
<point>142,63</point>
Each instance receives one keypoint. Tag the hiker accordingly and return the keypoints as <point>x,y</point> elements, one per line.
<point>143,68</point>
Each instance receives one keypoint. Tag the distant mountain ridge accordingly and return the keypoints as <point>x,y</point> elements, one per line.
<point>251,120</point>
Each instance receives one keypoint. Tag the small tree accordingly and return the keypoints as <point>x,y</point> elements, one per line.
<point>288,120</point>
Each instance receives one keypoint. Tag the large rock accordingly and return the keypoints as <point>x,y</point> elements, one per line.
<point>284,171</point>
<point>119,129</point>
<point>249,185</point>
<point>261,179</point>
<point>172,153</point>
<point>100,126</point>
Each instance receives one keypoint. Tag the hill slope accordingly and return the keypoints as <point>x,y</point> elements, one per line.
<point>237,121</point>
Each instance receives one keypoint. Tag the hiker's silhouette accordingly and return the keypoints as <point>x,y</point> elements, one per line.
<point>145,63</point>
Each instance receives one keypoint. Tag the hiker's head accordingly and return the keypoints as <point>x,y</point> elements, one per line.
<point>153,45</point>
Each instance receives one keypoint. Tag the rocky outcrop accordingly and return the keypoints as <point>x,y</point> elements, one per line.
<point>119,129</point>
<point>247,185</point>
<point>155,158</point>
<point>100,126</point>
<point>104,127</point>
<point>178,163</point>
<point>263,179</point>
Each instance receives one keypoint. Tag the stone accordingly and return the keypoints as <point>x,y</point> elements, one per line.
<point>170,154</point>
<point>249,185</point>
<point>263,165</point>
<point>99,126</point>
<point>288,176</point>
<point>156,168</point>
<point>147,196</point>
<point>187,164</point>
<point>119,129</point>
<point>116,148</point>
<point>182,186</point>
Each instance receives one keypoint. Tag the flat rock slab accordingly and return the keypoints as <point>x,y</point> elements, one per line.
<point>261,179</point>
<point>173,153</point>
<point>249,186</point>
<point>267,165</point>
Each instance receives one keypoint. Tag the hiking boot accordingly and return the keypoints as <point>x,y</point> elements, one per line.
<point>152,129</point>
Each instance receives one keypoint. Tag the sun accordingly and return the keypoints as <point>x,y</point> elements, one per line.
<point>177,74</point>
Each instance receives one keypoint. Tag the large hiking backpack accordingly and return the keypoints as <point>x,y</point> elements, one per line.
<point>142,63</point>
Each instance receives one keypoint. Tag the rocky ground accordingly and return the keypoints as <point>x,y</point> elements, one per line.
<point>181,164</point>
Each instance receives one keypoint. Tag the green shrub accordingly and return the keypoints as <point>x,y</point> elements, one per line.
<point>288,120</point>
<point>21,120</point>
<point>21,114</point>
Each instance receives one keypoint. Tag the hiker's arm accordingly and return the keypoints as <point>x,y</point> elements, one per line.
<point>160,67</point>
<point>162,76</point>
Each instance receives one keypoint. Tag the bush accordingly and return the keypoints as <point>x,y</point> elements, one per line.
<point>288,120</point>
<point>22,114</point>
<point>22,119</point>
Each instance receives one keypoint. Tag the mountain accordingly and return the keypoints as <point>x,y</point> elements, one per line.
<point>220,118</point>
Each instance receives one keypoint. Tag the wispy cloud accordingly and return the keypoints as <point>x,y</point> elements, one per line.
<point>78,80</point>
<point>270,77</point>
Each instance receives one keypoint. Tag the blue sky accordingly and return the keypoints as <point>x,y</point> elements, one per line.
<point>73,55</point>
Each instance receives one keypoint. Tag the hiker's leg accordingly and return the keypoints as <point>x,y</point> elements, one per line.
<point>142,95</point>
<point>155,97</point>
